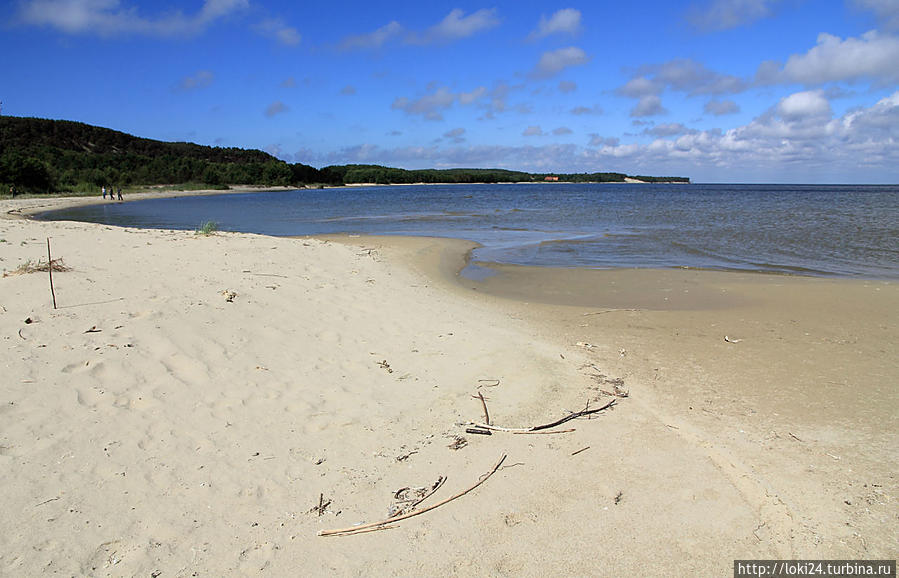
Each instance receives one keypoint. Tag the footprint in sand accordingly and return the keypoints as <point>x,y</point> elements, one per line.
<point>88,396</point>
<point>258,557</point>
<point>79,367</point>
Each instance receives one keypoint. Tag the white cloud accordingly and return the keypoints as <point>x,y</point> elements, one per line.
<point>887,11</point>
<point>669,129</point>
<point>873,57</point>
<point>567,86</point>
<point>201,79</point>
<point>639,86</point>
<point>802,105</point>
<point>432,105</point>
<point>456,26</point>
<point>862,145</point>
<point>597,140</point>
<point>283,33</point>
<point>555,61</point>
<point>532,131</point>
<point>721,107</point>
<point>373,40</point>
<point>111,18</point>
<point>275,108</point>
<point>580,110</point>
<point>649,105</point>
<point>562,130</point>
<point>455,135</point>
<point>565,21</point>
<point>681,75</point>
<point>715,15</point>
<point>470,97</point>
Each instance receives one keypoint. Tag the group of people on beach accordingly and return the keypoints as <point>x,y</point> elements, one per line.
<point>112,193</point>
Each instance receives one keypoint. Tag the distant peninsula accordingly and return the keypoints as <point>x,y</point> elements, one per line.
<point>43,156</point>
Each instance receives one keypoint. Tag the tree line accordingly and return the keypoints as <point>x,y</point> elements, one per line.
<point>42,155</point>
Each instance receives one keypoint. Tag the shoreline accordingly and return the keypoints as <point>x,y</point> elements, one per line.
<point>195,398</point>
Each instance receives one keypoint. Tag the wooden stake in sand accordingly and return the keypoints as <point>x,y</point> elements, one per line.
<point>50,270</point>
<point>380,525</point>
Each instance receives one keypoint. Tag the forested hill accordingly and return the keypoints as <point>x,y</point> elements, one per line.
<point>41,155</point>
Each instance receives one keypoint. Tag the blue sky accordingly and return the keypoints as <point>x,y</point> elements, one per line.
<point>717,90</point>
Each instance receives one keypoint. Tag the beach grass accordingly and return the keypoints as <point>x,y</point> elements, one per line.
<point>208,228</point>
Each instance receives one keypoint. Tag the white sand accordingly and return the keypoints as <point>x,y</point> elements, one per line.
<point>192,435</point>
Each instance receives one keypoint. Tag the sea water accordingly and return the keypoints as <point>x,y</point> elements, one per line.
<point>823,230</point>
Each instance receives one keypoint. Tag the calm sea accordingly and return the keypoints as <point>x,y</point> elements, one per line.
<point>830,230</point>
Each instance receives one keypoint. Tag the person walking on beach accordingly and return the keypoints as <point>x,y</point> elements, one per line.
<point>104,192</point>
<point>120,193</point>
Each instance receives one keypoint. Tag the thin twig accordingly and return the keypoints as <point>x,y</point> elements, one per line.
<point>484,404</point>
<point>536,428</point>
<point>581,450</point>
<point>365,527</point>
<point>607,311</point>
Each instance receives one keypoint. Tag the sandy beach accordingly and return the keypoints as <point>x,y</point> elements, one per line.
<point>207,405</point>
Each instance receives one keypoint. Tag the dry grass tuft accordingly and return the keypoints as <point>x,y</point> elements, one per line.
<point>29,266</point>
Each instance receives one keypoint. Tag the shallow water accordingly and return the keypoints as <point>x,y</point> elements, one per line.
<point>831,230</point>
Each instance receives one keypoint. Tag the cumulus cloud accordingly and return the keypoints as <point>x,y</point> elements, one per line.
<point>553,62</point>
<point>111,18</point>
<point>581,110</point>
<point>681,75</point>
<point>873,57</point>
<point>802,105</point>
<point>201,79</point>
<point>432,105</point>
<point>721,107</point>
<point>565,21</point>
<point>716,15</point>
<point>562,130</point>
<point>597,140</point>
<point>810,147</point>
<point>276,28</point>
<point>669,129</point>
<point>456,26</point>
<point>532,131</point>
<point>455,135</point>
<point>275,108</point>
<point>649,105</point>
<point>567,86</point>
<point>887,11</point>
<point>373,40</point>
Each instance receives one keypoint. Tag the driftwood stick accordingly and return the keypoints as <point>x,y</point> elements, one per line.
<point>574,416</point>
<point>484,405</point>
<point>537,428</point>
<point>367,527</point>
<point>543,432</point>
<point>50,270</point>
